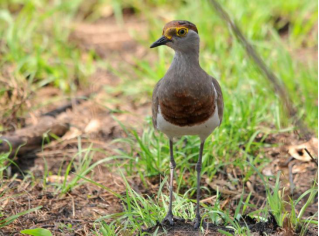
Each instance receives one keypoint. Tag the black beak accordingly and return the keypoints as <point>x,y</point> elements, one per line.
<point>161,41</point>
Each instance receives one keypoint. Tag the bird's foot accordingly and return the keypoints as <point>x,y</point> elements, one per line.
<point>197,222</point>
<point>170,218</point>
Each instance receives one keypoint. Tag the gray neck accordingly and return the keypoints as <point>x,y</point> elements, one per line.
<point>185,61</point>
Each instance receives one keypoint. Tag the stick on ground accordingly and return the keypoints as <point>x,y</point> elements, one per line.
<point>269,75</point>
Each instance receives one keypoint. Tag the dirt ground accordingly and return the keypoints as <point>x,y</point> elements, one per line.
<point>92,119</point>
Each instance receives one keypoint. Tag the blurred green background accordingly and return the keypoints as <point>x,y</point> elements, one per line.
<point>36,50</point>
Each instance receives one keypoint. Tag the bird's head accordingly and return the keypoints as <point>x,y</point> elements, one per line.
<point>180,35</point>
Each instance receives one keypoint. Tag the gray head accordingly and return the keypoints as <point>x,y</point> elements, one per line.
<point>180,35</point>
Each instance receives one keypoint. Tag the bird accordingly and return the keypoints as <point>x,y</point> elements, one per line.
<point>186,101</point>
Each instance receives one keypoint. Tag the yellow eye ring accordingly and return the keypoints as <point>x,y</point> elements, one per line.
<point>181,32</point>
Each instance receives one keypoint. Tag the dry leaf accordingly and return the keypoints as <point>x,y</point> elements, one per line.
<point>220,186</point>
<point>72,133</point>
<point>298,151</point>
<point>93,127</point>
<point>56,179</point>
<point>267,171</point>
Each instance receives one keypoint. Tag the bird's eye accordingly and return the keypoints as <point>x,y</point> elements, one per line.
<point>182,32</point>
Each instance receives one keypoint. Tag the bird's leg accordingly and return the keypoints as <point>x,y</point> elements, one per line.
<point>169,216</point>
<point>198,169</point>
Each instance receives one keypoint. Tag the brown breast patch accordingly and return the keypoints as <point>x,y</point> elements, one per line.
<point>185,110</point>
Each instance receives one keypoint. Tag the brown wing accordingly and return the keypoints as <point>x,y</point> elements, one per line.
<point>220,101</point>
<point>155,104</point>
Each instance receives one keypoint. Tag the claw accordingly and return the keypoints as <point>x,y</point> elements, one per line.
<point>169,217</point>
<point>197,222</point>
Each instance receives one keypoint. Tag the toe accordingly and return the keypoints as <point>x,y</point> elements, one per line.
<point>197,222</point>
<point>196,225</point>
<point>175,218</point>
<point>168,218</point>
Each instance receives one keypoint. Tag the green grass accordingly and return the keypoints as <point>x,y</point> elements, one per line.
<point>35,51</point>
<point>35,48</point>
<point>141,212</point>
<point>4,163</point>
<point>151,154</point>
<point>9,219</point>
<point>37,232</point>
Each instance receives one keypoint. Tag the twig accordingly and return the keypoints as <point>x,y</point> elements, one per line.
<point>75,101</point>
<point>30,138</point>
<point>312,158</point>
<point>210,199</point>
<point>61,109</point>
<point>278,86</point>
<point>73,207</point>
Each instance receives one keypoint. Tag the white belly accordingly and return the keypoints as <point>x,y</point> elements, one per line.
<point>203,130</point>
